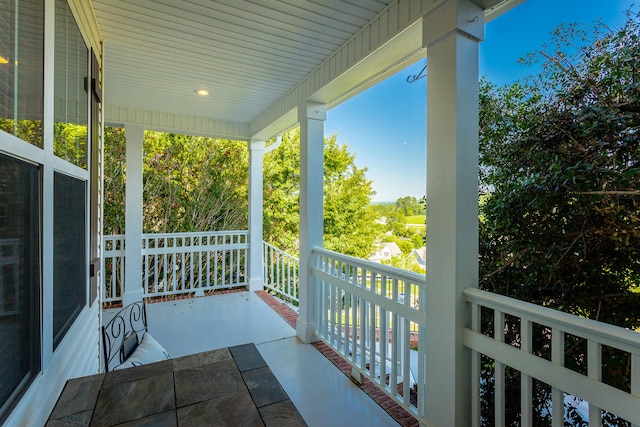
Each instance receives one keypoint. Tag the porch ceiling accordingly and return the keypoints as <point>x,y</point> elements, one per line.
<point>257,58</point>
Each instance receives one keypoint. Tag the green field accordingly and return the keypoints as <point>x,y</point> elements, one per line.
<point>416,220</point>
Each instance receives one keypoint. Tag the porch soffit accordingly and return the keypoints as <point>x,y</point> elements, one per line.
<point>258,59</point>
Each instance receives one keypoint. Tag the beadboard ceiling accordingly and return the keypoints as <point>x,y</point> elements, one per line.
<point>247,54</point>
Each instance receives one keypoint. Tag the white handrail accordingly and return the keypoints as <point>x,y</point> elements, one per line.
<point>366,312</point>
<point>281,273</point>
<point>176,263</point>
<point>519,356</point>
<point>112,268</point>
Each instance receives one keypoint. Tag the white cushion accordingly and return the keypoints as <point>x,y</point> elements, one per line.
<point>148,351</point>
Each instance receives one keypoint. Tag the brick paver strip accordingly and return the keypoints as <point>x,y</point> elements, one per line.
<point>396,411</point>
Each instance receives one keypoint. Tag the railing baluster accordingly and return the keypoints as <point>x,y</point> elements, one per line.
<point>526,382</point>
<point>395,339</point>
<point>499,376</point>
<point>354,326</point>
<point>475,370</point>
<point>210,253</point>
<point>331,294</point>
<point>594,368</point>
<point>346,312</point>
<point>181,268</point>
<point>422,367</point>
<point>280,275</point>
<point>406,365</point>
<point>384,334</point>
<point>557,395</point>
<point>635,377</point>
<point>192,255</point>
<point>362,320</point>
<point>339,311</point>
<point>231,263</point>
<point>372,330</point>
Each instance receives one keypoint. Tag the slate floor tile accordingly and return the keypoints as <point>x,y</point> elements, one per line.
<point>247,357</point>
<point>79,395</point>
<point>200,359</point>
<point>207,382</point>
<point>165,419</point>
<point>263,386</point>
<point>281,414</point>
<point>224,387</point>
<point>137,373</point>
<point>133,400</point>
<point>233,410</point>
<point>73,420</point>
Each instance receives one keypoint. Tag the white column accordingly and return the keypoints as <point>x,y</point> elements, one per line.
<point>256,153</point>
<point>451,34</point>
<point>311,116</point>
<point>133,216</point>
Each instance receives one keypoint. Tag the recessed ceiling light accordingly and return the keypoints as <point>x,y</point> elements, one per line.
<point>202,92</point>
<point>3,60</point>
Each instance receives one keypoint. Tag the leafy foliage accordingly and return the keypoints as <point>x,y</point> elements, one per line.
<point>561,158</point>
<point>201,184</point>
<point>349,225</point>
<point>409,206</point>
<point>190,183</point>
<point>70,142</point>
<point>27,130</point>
<point>114,184</point>
<point>560,165</point>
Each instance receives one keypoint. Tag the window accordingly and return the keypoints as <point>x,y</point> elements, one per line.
<point>69,253</point>
<point>19,278</point>
<point>71,111</point>
<point>21,69</point>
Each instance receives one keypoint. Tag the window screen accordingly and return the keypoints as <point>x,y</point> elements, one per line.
<point>19,279</point>
<point>69,253</point>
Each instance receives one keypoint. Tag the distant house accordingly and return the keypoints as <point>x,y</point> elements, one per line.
<point>382,220</point>
<point>385,252</point>
<point>421,256</point>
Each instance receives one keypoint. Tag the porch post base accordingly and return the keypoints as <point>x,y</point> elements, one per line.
<point>305,333</point>
<point>256,284</point>
<point>131,297</point>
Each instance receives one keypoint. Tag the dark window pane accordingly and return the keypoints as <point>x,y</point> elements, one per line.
<point>71,109</point>
<point>21,69</point>
<point>19,278</point>
<point>69,253</point>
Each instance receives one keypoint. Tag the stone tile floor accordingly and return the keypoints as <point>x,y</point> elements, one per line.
<point>316,383</point>
<point>226,387</point>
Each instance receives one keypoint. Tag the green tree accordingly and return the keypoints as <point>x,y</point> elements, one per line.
<point>114,180</point>
<point>560,161</point>
<point>409,205</point>
<point>349,222</point>
<point>562,157</point>
<point>194,183</point>
<point>190,183</point>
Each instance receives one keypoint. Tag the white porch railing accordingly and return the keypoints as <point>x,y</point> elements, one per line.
<point>559,331</point>
<point>366,312</point>
<point>280,273</point>
<point>176,263</point>
<point>112,268</point>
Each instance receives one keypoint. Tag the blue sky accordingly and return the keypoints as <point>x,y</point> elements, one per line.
<point>385,126</point>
